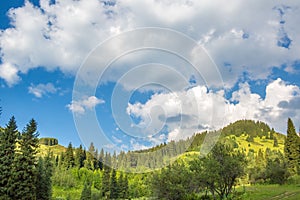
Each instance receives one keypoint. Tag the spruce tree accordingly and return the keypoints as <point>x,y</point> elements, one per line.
<point>113,185</point>
<point>79,157</point>
<point>69,157</point>
<point>123,186</point>
<point>86,193</point>
<point>8,139</point>
<point>24,169</point>
<point>43,181</point>
<point>106,181</point>
<point>291,148</point>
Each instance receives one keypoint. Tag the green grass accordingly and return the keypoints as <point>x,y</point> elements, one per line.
<point>56,149</point>
<point>274,192</point>
<point>259,143</point>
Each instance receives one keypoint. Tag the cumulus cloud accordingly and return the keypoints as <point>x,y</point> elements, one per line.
<point>199,109</point>
<point>41,90</point>
<point>9,73</point>
<point>61,34</point>
<point>79,107</point>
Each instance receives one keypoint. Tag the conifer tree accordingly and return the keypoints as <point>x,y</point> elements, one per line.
<point>105,181</point>
<point>79,157</point>
<point>86,193</point>
<point>8,139</point>
<point>43,181</point>
<point>69,156</point>
<point>113,185</point>
<point>101,159</point>
<point>122,186</point>
<point>24,169</point>
<point>291,148</point>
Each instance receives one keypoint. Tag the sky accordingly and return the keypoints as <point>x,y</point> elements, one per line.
<point>131,74</point>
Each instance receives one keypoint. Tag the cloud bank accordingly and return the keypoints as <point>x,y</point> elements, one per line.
<point>199,109</point>
<point>61,34</point>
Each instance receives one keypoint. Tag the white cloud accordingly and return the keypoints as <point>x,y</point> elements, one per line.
<point>117,140</point>
<point>41,90</point>
<point>79,107</point>
<point>198,109</point>
<point>9,73</point>
<point>137,146</point>
<point>62,34</point>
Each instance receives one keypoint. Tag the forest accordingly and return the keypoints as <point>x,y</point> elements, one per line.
<point>249,161</point>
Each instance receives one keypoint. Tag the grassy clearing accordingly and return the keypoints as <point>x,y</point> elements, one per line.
<point>271,192</point>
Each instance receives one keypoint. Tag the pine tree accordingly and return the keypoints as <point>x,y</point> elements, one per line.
<point>101,159</point>
<point>106,181</point>
<point>8,139</point>
<point>79,157</point>
<point>113,185</point>
<point>123,186</point>
<point>43,181</point>
<point>291,148</point>
<point>86,193</point>
<point>69,156</point>
<point>24,169</point>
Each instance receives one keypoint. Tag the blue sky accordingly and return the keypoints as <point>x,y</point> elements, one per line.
<point>157,86</point>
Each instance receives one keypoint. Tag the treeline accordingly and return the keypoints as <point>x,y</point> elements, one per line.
<point>90,174</point>
<point>22,174</point>
<point>48,141</point>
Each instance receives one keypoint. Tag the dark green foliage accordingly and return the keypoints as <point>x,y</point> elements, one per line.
<point>275,144</point>
<point>106,182</point>
<point>69,157</point>
<point>114,193</point>
<point>44,181</point>
<point>86,193</point>
<point>250,138</point>
<point>24,169</point>
<point>248,127</point>
<point>123,186</point>
<point>8,139</point>
<point>174,182</point>
<point>219,171</point>
<point>291,148</point>
<point>276,170</point>
<point>91,161</point>
<point>80,157</point>
<point>48,141</point>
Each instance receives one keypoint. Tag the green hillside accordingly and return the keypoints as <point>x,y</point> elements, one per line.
<point>262,147</point>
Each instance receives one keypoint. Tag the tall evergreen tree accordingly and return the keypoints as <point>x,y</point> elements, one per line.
<point>101,159</point>
<point>113,185</point>
<point>91,158</point>
<point>79,157</point>
<point>24,169</point>
<point>105,182</point>
<point>69,156</point>
<point>86,193</point>
<point>123,186</point>
<point>43,181</point>
<point>291,148</point>
<point>8,139</point>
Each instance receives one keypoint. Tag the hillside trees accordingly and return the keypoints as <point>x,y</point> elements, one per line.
<point>219,170</point>
<point>173,182</point>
